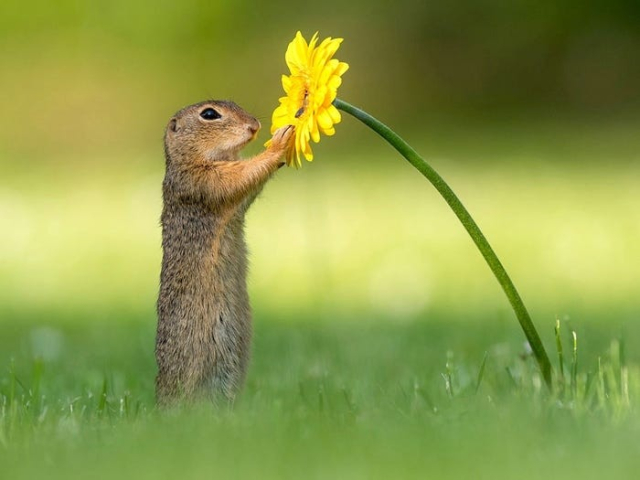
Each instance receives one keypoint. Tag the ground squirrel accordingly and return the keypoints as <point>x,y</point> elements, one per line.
<point>204,317</point>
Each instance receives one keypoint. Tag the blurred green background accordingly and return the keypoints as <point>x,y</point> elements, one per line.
<point>364,285</point>
<point>530,110</point>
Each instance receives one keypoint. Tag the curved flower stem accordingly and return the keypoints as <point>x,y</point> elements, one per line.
<point>469,224</point>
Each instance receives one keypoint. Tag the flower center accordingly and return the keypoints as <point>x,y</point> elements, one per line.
<point>302,93</point>
<point>305,103</point>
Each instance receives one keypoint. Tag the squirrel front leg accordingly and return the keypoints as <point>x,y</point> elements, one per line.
<point>232,181</point>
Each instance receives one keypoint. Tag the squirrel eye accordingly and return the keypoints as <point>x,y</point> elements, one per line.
<point>210,114</point>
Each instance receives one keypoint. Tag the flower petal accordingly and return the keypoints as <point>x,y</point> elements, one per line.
<point>286,83</point>
<point>334,113</point>
<point>324,120</point>
<point>334,82</point>
<point>342,68</point>
<point>315,132</point>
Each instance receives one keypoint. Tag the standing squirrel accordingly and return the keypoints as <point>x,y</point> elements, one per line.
<point>204,317</point>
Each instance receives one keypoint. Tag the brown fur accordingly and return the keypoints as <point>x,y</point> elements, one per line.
<point>204,316</point>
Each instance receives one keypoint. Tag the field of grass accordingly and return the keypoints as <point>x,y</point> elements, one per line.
<point>322,401</point>
<point>383,346</point>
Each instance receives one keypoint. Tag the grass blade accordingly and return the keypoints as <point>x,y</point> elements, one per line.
<point>481,371</point>
<point>559,349</point>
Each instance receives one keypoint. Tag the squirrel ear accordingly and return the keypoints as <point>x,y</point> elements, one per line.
<point>173,124</point>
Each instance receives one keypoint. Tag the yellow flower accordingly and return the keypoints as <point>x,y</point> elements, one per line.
<point>310,90</point>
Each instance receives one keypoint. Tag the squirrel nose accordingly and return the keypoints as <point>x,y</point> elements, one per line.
<point>254,126</point>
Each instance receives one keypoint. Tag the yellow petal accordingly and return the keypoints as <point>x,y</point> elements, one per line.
<point>286,83</point>
<point>315,133</point>
<point>301,49</point>
<point>334,82</point>
<point>342,67</point>
<point>296,161</point>
<point>312,44</point>
<point>296,54</point>
<point>334,114</point>
<point>290,153</point>
<point>328,70</point>
<point>308,153</point>
<point>278,122</point>
<point>324,120</point>
<point>320,95</point>
<point>329,48</point>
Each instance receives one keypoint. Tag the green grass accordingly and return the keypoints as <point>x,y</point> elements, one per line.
<point>380,401</point>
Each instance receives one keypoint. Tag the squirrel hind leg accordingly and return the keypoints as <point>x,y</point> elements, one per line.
<point>168,394</point>
<point>224,385</point>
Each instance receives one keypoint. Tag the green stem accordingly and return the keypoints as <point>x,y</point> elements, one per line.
<point>469,224</point>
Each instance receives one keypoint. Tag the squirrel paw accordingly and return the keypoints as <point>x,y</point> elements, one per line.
<point>282,137</point>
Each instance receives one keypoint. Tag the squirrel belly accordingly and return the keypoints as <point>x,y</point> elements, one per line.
<point>204,330</point>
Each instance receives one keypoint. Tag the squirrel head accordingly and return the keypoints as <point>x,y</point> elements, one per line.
<point>214,130</point>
